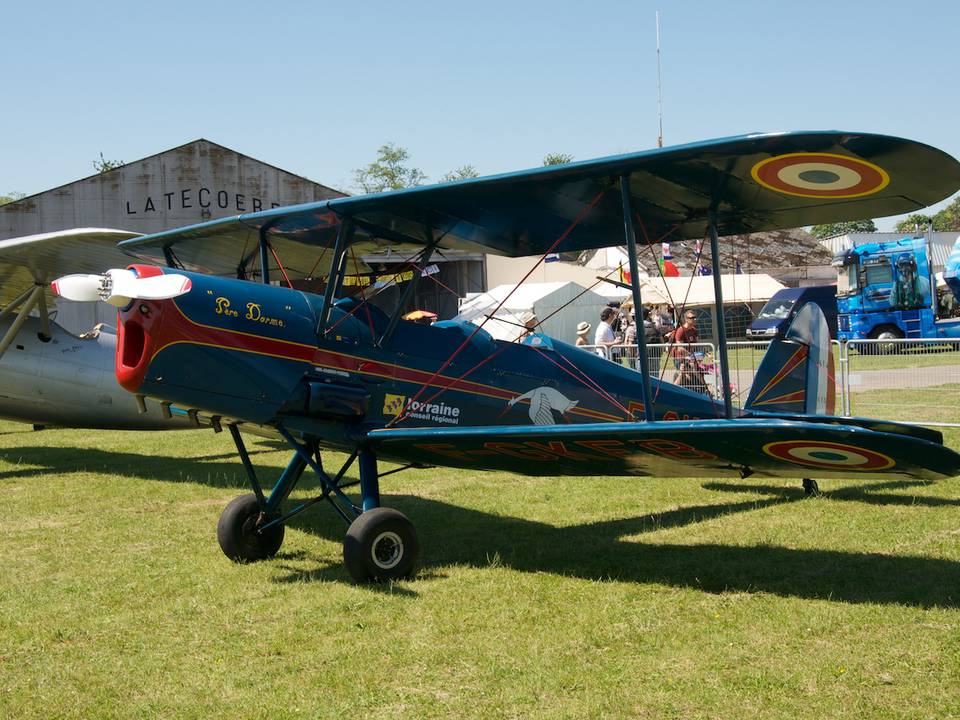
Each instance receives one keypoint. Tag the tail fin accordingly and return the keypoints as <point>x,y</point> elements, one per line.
<point>796,375</point>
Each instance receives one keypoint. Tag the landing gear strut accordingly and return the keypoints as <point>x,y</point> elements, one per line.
<point>381,543</point>
<point>810,487</point>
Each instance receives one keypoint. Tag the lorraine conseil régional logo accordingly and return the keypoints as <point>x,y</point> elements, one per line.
<point>393,404</point>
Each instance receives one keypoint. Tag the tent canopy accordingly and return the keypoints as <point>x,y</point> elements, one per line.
<point>541,299</point>
<point>698,290</point>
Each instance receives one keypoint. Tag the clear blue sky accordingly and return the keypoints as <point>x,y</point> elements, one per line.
<point>316,88</point>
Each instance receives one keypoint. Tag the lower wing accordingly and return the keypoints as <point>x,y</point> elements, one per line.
<point>768,447</point>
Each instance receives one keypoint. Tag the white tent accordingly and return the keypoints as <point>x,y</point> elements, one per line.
<point>543,300</point>
<point>698,290</point>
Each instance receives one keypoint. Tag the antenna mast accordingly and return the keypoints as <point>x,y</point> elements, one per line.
<point>659,99</point>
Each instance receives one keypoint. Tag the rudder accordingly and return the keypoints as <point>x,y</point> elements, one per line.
<point>796,374</point>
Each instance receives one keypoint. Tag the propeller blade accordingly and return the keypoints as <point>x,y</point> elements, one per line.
<point>79,287</point>
<point>119,287</point>
<point>126,285</point>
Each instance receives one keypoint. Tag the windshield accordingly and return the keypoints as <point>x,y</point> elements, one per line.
<point>847,280</point>
<point>879,274</point>
<point>776,309</point>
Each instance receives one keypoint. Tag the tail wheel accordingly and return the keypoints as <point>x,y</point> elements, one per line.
<point>810,487</point>
<point>380,545</point>
<point>239,534</point>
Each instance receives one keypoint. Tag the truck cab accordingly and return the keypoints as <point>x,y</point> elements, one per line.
<point>887,291</point>
<point>776,315</point>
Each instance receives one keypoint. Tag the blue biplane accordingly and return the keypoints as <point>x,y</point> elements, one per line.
<point>326,371</point>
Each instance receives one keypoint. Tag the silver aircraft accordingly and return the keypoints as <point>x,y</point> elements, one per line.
<point>49,375</point>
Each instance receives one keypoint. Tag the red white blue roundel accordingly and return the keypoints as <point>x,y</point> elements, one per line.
<point>827,455</point>
<point>820,175</point>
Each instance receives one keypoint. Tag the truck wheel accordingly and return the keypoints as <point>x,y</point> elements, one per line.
<point>886,332</point>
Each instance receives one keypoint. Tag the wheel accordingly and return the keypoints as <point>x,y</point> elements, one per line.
<point>810,487</point>
<point>381,544</point>
<point>886,332</point>
<point>238,535</point>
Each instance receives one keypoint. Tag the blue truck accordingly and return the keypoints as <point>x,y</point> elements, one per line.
<point>887,290</point>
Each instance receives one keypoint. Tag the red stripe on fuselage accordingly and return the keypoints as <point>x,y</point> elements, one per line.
<point>177,328</point>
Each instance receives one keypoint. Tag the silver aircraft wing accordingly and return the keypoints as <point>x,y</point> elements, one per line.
<point>37,259</point>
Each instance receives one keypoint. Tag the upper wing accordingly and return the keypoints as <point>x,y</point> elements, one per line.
<point>779,448</point>
<point>37,259</point>
<point>753,182</point>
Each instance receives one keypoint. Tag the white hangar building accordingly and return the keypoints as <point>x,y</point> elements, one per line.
<point>194,183</point>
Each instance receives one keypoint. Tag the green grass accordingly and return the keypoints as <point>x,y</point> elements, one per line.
<point>939,403</point>
<point>539,597</point>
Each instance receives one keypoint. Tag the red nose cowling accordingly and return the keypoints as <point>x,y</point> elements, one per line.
<point>138,327</point>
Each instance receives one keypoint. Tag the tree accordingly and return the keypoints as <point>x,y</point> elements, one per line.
<point>914,223</point>
<point>946,220</point>
<point>842,228</point>
<point>11,196</point>
<point>388,171</point>
<point>461,173</point>
<point>557,159</point>
<point>103,165</point>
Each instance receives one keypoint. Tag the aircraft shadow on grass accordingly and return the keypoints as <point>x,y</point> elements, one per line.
<point>596,551</point>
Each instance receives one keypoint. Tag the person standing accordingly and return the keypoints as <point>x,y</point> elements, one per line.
<point>582,330</point>
<point>630,340</point>
<point>530,323</point>
<point>664,322</point>
<point>688,374</point>
<point>604,338</point>
<point>653,339</point>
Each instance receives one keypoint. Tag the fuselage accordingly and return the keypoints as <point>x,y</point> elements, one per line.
<point>69,381</point>
<point>250,351</point>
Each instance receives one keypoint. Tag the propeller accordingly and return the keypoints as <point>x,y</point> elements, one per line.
<point>119,287</point>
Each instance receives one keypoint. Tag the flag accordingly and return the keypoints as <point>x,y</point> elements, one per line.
<point>552,257</point>
<point>624,275</point>
<point>665,251</point>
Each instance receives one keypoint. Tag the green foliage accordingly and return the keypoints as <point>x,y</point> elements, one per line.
<point>389,171</point>
<point>461,173</point>
<point>103,165</point>
<point>11,196</point>
<point>557,158</point>
<point>946,220</point>
<point>842,228</point>
<point>914,223</point>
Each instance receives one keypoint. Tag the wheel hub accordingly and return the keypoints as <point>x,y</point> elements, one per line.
<point>386,550</point>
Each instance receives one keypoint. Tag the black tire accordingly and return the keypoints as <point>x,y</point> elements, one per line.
<point>810,487</point>
<point>885,332</point>
<point>237,531</point>
<point>380,545</point>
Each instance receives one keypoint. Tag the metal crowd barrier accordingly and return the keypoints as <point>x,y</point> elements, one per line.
<point>916,380</point>
<point>694,368</point>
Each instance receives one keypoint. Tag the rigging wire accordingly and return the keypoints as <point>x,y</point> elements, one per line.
<point>581,215</point>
